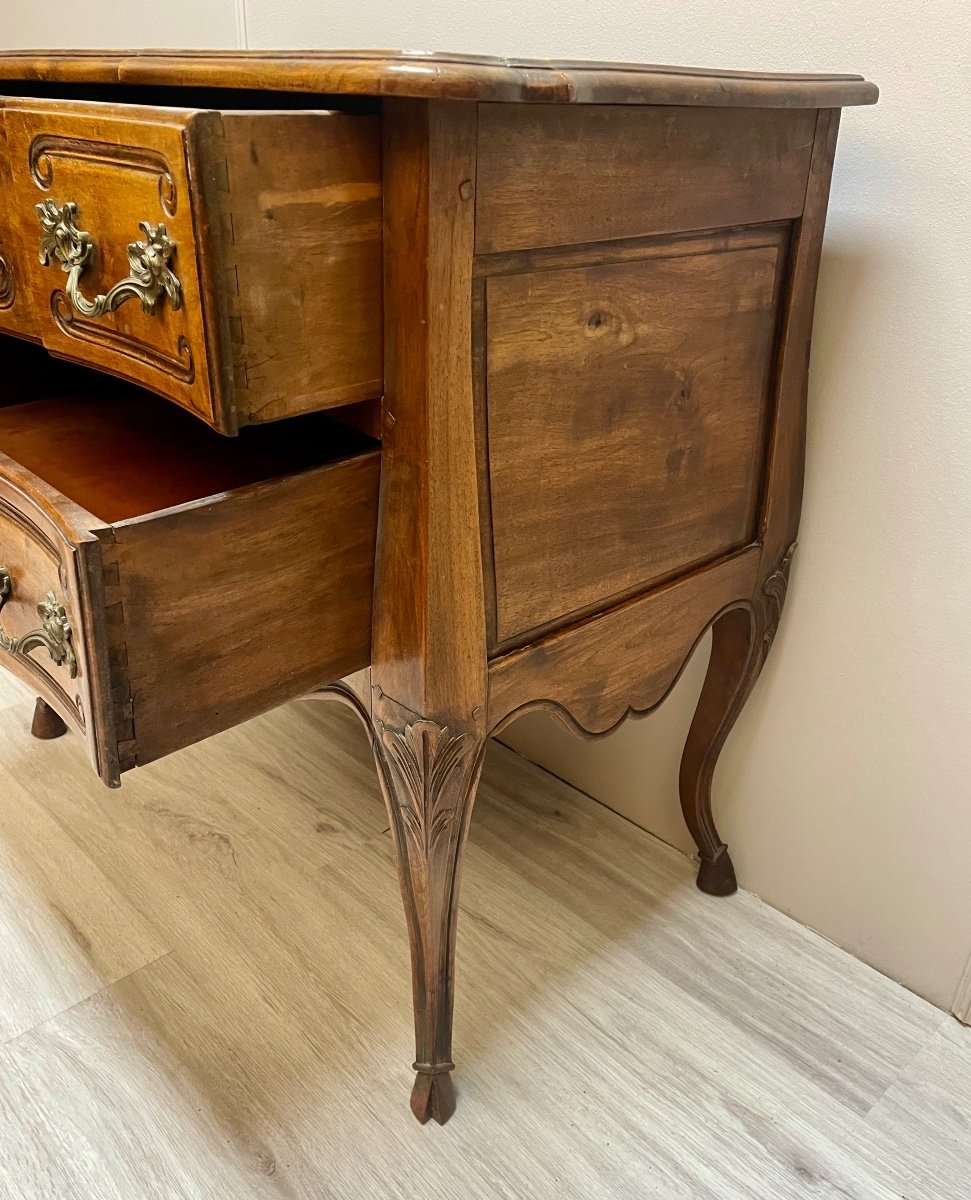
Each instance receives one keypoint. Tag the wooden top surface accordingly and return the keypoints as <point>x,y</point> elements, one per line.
<point>446,76</point>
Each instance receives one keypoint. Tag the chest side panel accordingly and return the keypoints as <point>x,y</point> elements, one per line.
<point>628,412</point>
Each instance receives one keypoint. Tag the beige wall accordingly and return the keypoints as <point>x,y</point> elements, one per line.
<point>845,791</point>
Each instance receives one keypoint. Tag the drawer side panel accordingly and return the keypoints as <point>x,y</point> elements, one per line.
<point>237,603</point>
<point>289,208</point>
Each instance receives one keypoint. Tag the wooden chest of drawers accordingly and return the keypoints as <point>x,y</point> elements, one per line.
<point>583,294</point>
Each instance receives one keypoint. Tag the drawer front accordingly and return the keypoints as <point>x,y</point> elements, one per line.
<point>103,216</point>
<point>230,262</point>
<point>15,312</point>
<point>44,639</point>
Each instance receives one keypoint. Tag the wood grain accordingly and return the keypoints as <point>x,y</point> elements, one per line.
<point>439,76</point>
<point>119,452</point>
<point>428,668</point>
<point>234,604</point>
<point>581,351</point>
<point>647,385</point>
<point>201,590</point>
<point>787,454</point>
<point>120,167</point>
<point>15,315</point>
<point>557,175</point>
<point>291,205</point>
<point>597,672</point>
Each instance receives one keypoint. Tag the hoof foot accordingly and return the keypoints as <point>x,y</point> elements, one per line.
<point>46,723</point>
<point>716,876</point>
<point>433,1096</point>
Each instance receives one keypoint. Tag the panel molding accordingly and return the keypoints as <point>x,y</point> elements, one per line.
<point>610,326</point>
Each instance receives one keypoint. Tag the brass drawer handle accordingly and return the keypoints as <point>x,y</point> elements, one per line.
<point>54,634</point>
<point>150,278</point>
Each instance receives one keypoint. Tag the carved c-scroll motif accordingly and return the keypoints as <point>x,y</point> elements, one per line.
<point>6,284</point>
<point>45,148</point>
<point>774,597</point>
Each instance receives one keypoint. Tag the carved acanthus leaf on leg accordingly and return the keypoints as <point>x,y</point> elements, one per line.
<point>429,776</point>
<point>774,591</point>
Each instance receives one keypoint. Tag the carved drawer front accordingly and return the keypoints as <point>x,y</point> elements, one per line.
<point>160,583</point>
<point>15,313</point>
<point>230,262</point>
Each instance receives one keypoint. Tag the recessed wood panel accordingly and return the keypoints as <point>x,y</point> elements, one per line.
<point>627,407</point>
<point>551,176</point>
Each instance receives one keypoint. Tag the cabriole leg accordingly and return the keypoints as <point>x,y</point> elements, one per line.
<point>429,775</point>
<point>731,672</point>
<point>740,641</point>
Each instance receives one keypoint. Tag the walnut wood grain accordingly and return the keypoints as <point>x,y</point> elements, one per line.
<point>595,335</point>
<point>622,663</point>
<point>787,455</point>
<point>291,206</point>
<point>441,76</point>
<point>159,456</point>
<point>647,383</point>
<point>259,624</point>
<point>557,175</point>
<point>191,616</point>
<point>429,652</point>
<point>16,315</point>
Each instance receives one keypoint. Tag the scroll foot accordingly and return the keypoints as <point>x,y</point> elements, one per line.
<point>716,876</point>
<point>46,723</point>
<point>433,1096</point>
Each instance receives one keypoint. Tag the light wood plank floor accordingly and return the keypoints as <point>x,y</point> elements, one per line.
<point>204,994</point>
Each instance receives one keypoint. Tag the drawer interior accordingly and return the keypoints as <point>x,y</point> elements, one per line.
<point>205,579</point>
<point>120,452</point>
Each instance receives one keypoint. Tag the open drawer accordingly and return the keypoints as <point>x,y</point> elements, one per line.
<point>227,260</point>
<point>160,583</point>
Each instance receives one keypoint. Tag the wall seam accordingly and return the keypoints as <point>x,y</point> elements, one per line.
<point>961,1004</point>
<point>242,33</point>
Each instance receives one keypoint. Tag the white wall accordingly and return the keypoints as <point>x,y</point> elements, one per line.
<point>845,791</point>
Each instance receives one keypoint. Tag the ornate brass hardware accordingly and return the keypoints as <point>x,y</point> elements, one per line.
<point>54,634</point>
<point>151,277</point>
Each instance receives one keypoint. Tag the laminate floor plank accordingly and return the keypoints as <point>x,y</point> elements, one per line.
<point>618,1034</point>
<point>798,995</point>
<point>12,691</point>
<point>65,930</point>
<point>926,1117</point>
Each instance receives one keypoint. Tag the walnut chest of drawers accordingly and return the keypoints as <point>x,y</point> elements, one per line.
<point>446,387</point>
